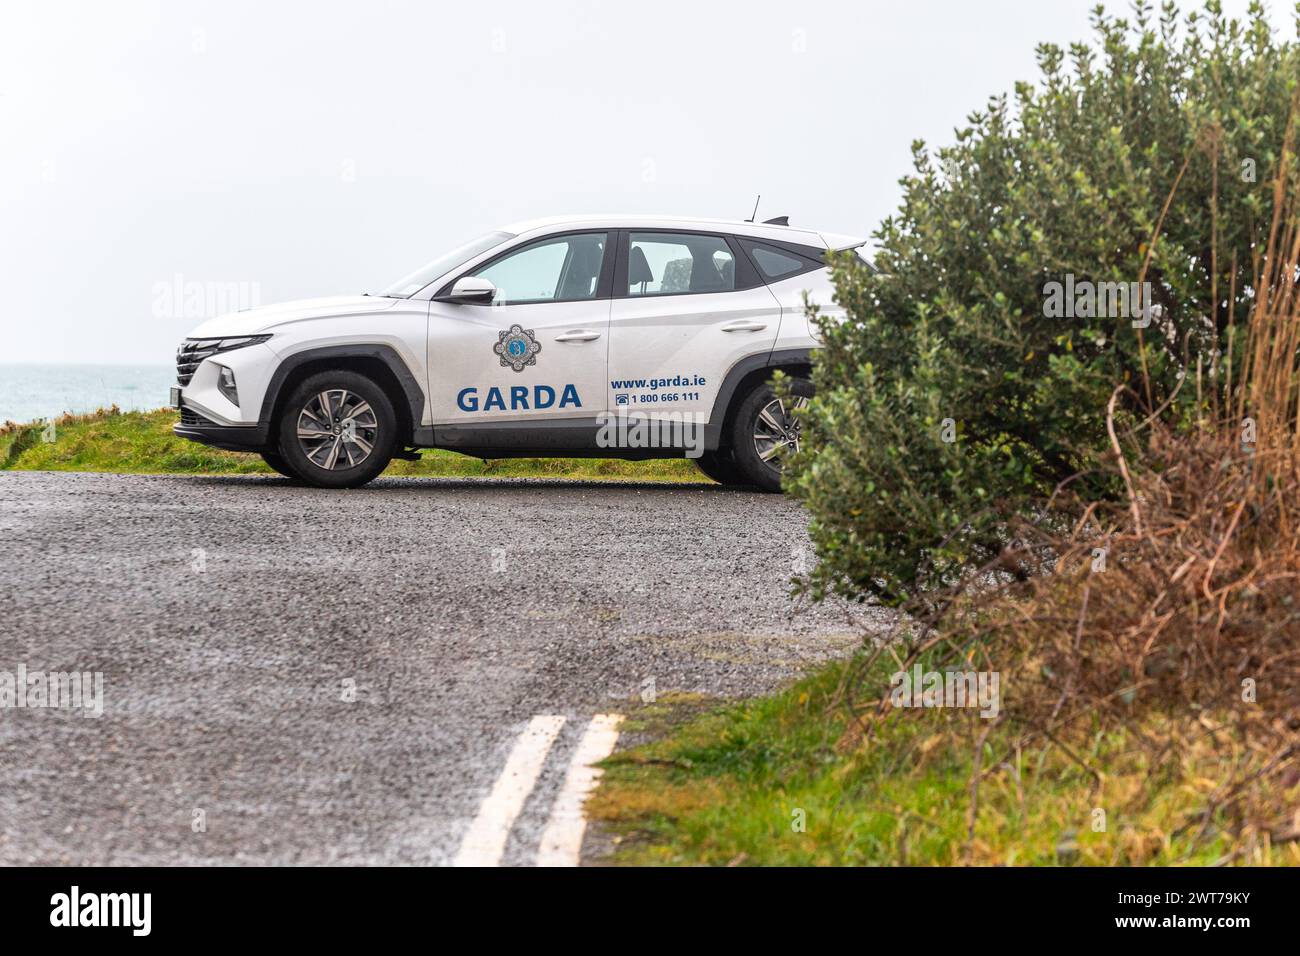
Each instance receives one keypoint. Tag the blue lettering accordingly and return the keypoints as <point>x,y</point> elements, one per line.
<point>467,399</point>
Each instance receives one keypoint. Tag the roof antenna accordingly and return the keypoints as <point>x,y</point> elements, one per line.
<point>755,212</point>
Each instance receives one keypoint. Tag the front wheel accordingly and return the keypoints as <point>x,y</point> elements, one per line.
<point>337,430</point>
<point>278,464</point>
<point>765,430</point>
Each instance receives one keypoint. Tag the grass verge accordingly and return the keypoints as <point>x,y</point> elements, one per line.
<point>767,782</point>
<point>110,440</point>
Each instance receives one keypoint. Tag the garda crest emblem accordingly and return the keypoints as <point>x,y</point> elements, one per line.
<point>517,347</point>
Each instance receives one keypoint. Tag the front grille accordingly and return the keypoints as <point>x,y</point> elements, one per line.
<point>191,355</point>
<point>192,419</point>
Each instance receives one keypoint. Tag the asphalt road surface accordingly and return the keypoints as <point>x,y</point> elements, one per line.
<point>416,672</point>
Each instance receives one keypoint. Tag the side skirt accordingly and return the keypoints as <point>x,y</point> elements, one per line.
<point>572,438</point>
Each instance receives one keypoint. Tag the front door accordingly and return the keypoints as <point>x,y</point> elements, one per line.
<point>534,358</point>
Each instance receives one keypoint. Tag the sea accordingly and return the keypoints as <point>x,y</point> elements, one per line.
<point>29,392</point>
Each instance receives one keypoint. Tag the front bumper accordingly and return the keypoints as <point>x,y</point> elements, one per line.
<point>228,437</point>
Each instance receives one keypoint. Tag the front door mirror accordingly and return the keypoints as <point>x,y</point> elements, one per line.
<point>470,290</point>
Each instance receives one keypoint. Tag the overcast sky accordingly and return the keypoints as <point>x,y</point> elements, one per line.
<point>303,149</point>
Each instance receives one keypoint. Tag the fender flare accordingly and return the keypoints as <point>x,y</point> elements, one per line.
<point>733,378</point>
<point>385,353</point>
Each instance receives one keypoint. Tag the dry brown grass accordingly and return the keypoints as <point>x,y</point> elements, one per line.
<point>67,418</point>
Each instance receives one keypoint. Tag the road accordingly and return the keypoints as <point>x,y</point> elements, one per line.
<point>297,676</point>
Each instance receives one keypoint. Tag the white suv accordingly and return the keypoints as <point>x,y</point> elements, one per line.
<point>616,337</point>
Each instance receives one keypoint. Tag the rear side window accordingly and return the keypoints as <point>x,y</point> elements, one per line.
<point>775,264</point>
<point>663,263</point>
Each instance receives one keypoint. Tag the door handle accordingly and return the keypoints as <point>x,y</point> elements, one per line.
<point>744,325</point>
<point>578,335</point>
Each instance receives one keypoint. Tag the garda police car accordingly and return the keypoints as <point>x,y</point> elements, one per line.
<point>614,337</point>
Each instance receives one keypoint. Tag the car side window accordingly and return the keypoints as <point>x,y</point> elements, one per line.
<point>562,269</point>
<point>661,263</point>
<point>775,264</point>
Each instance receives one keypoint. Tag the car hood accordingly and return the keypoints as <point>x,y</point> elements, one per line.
<point>263,318</point>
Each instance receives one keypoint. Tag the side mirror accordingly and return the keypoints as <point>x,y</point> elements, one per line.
<point>470,290</point>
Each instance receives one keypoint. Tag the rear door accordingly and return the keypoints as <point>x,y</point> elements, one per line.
<point>687,306</point>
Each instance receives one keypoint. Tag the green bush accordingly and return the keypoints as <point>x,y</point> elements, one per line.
<point>949,337</point>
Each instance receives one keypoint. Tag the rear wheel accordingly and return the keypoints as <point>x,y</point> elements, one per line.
<point>765,430</point>
<point>337,430</point>
<point>719,466</point>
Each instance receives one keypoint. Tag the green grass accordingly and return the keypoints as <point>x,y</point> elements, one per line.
<point>726,784</point>
<point>143,443</point>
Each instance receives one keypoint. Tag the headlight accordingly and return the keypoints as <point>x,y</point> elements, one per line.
<point>193,352</point>
<point>226,384</point>
<point>238,342</point>
<point>213,346</point>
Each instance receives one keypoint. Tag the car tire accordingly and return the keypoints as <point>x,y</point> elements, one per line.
<point>763,429</point>
<point>332,460</point>
<point>719,466</point>
<point>277,463</point>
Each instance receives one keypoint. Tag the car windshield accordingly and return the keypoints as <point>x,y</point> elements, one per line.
<point>417,280</point>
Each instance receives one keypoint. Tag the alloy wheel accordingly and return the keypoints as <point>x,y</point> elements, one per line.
<point>337,429</point>
<point>776,430</point>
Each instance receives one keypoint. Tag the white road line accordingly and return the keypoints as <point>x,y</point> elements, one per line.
<point>562,840</point>
<point>485,840</point>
